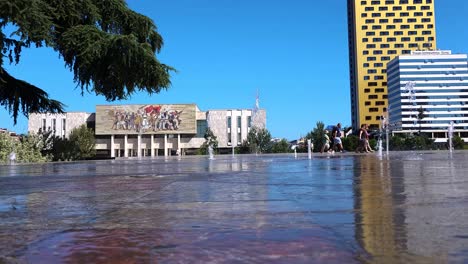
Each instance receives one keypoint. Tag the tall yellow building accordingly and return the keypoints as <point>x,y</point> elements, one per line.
<point>380,30</point>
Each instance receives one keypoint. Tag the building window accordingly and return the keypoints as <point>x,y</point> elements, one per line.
<point>229,130</point>
<point>202,126</point>
<point>54,125</point>
<point>239,130</point>
<point>64,126</point>
<point>44,127</point>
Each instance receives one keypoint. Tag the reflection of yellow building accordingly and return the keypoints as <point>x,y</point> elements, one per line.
<point>380,30</point>
<point>376,220</point>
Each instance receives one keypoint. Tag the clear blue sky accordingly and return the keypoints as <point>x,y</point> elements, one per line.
<point>294,52</point>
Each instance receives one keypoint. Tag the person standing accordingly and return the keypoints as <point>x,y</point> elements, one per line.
<point>325,143</point>
<point>337,135</point>
<point>362,139</point>
<point>367,146</point>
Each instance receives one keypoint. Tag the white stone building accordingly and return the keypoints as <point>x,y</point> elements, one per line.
<point>154,130</point>
<point>59,124</point>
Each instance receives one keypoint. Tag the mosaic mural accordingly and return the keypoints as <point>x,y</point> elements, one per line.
<point>146,119</point>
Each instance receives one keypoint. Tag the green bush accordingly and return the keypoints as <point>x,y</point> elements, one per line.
<point>458,142</point>
<point>28,148</point>
<point>350,142</point>
<point>412,142</point>
<point>281,146</point>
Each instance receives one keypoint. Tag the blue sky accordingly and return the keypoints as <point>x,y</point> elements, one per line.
<point>294,52</point>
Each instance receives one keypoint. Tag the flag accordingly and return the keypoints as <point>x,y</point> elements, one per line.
<point>257,104</point>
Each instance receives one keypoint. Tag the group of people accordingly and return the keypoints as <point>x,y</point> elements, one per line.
<point>336,144</point>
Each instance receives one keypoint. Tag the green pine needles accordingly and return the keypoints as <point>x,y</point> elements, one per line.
<point>110,49</point>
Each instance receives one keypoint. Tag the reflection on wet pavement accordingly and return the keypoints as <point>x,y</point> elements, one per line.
<point>409,208</point>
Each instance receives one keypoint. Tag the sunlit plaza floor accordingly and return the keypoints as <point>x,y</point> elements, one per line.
<point>345,208</point>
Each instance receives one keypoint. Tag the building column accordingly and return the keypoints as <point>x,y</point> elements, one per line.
<point>178,145</point>
<point>139,146</point>
<point>126,146</point>
<point>152,145</point>
<point>112,149</point>
<point>165,145</point>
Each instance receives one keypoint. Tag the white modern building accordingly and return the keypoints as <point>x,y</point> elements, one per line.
<point>154,130</point>
<point>434,83</point>
<point>59,124</point>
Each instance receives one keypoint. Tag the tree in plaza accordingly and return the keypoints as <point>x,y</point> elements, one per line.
<point>259,140</point>
<point>281,146</point>
<point>7,145</point>
<point>317,135</point>
<point>210,140</point>
<point>420,117</point>
<point>27,148</point>
<point>110,49</point>
<point>82,143</point>
<point>30,149</point>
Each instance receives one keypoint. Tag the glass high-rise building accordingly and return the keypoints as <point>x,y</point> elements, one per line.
<point>426,91</point>
<point>380,30</point>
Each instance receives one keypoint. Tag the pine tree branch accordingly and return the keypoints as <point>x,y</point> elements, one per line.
<point>17,95</point>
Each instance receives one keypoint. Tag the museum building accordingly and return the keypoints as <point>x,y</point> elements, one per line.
<point>153,130</point>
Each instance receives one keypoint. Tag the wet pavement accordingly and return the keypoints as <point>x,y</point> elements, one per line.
<point>405,208</point>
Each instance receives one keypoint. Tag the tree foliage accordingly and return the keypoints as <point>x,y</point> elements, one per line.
<point>259,140</point>
<point>210,140</point>
<point>281,146</point>
<point>82,143</point>
<point>411,142</point>
<point>109,48</point>
<point>317,135</point>
<point>458,142</point>
<point>28,148</point>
